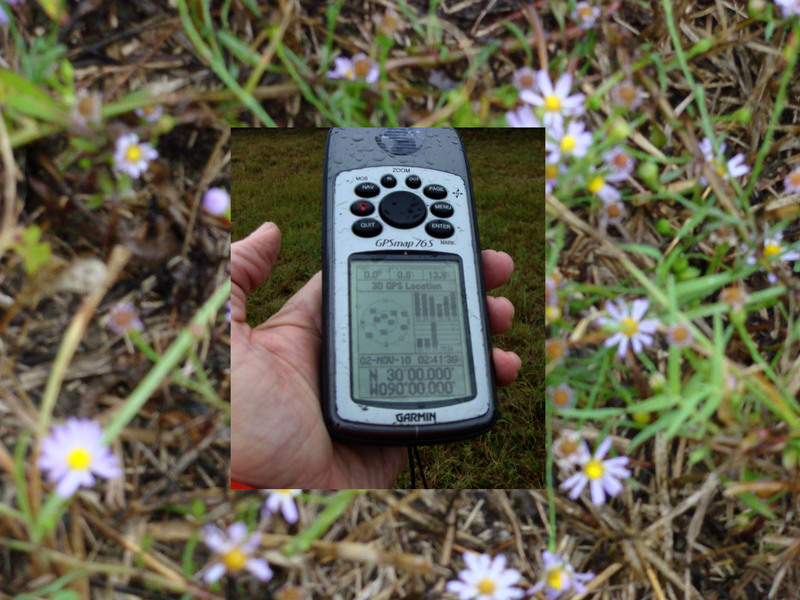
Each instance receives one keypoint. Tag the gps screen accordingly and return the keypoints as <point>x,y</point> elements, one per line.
<point>409,333</point>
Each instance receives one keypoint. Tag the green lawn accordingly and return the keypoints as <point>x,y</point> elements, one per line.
<point>276,175</point>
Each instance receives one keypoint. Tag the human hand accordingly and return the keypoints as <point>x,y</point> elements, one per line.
<point>278,436</point>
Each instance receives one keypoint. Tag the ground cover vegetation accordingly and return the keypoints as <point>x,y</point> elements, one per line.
<point>672,193</point>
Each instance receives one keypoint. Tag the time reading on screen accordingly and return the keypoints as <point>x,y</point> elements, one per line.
<point>410,339</point>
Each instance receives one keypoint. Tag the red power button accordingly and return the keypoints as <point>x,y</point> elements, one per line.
<point>362,208</point>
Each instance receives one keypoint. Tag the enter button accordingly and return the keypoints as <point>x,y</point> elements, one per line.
<point>439,229</point>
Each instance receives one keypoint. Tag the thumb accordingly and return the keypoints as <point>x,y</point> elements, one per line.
<point>252,260</point>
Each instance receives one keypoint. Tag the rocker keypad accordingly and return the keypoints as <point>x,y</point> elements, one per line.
<point>402,209</point>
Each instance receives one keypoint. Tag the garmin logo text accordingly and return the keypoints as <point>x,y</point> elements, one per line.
<point>429,417</point>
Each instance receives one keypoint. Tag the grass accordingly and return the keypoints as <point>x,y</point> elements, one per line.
<point>277,176</point>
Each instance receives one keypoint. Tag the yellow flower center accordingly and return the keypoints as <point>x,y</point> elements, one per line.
<point>568,446</point>
<point>586,13</point>
<point>621,160</point>
<point>86,106</point>
<point>552,103</point>
<point>679,333</point>
<point>552,313</point>
<point>614,210</point>
<point>551,171</point>
<point>235,560</point>
<point>596,184</point>
<point>627,93</point>
<point>79,458</point>
<point>731,294</point>
<point>486,586</point>
<point>133,153</point>
<point>361,67</point>
<point>567,143</point>
<point>555,349</point>
<point>554,579</point>
<point>794,178</point>
<point>561,397</point>
<point>771,250</point>
<point>629,326</point>
<point>593,469</point>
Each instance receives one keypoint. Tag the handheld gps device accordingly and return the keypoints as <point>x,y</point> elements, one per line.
<point>406,347</point>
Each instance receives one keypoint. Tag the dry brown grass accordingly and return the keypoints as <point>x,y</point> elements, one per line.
<point>679,531</point>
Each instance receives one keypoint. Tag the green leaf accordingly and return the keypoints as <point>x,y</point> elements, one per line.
<point>643,249</point>
<point>592,413</point>
<point>25,97</point>
<point>655,403</point>
<point>520,35</point>
<point>756,504</point>
<point>53,8</point>
<point>696,289</point>
<point>336,506</point>
<point>55,588</point>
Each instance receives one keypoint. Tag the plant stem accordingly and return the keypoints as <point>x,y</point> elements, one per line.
<point>551,503</point>
<point>777,111</point>
<point>219,68</point>
<point>167,362</point>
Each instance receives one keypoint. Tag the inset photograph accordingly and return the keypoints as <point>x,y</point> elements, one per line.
<point>365,351</point>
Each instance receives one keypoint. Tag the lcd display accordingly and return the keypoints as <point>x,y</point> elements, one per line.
<point>409,333</point>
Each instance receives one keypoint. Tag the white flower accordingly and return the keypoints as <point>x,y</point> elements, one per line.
<point>523,117</point>
<point>390,22</point>
<point>620,163</point>
<point>612,212</point>
<point>773,250</point>
<point>556,349</point>
<point>789,7</point>
<point>485,579</point>
<point>572,141</point>
<point>216,201</point>
<point>3,15</point>
<point>555,100</point>
<point>679,335</point>
<point>88,107</point>
<point>283,500</point>
<point>735,296</point>
<point>151,113</point>
<point>632,328</point>
<point>524,78</point>
<point>627,95</point>
<point>74,454</point>
<point>123,318</point>
<point>597,186</point>
<point>552,170</point>
<point>735,167</point>
<point>602,475</point>
<point>359,67</point>
<point>561,396</point>
<point>133,157</point>
<point>560,577</point>
<point>585,14</point>
<point>791,185</point>
<point>234,549</point>
<point>569,451</point>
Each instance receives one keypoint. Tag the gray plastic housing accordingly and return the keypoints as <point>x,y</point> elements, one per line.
<point>438,157</point>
